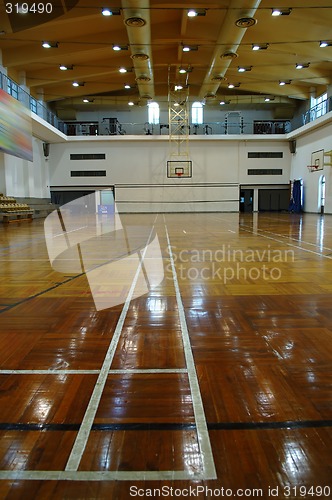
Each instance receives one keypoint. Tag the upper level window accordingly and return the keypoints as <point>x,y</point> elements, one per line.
<point>197,113</point>
<point>154,113</point>
<point>320,105</point>
<point>12,88</point>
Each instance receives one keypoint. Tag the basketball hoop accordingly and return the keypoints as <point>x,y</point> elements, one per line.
<point>312,168</point>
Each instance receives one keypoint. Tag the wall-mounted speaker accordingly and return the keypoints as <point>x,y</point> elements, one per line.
<point>292,146</point>
<point>46,149</point>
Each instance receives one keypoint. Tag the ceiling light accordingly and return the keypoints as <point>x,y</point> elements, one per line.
<point>325,43</point>
<point>130,103</point>
<point>120,47</point>
<point>302,65</point>
<point>188,48</point>
<point>88,100</point>
<point>284,82</point>
<point>50,45</point>
<point>176,104</point>
<point>260,46</point>
<point>196,12</point>
<point>110,12</point>
<point>65,67</point>
<point>268,99</point>
<point>224,102</point>
<point>233,85</point>
<point>178,87</point>
<point>281,12</point>
<point>243,69</point>
<point>127,86</point>
<point>182,70</point>
<point>78,84</point>
<point>122,70</point>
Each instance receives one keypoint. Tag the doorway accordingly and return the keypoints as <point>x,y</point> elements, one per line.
<point>246,200</point>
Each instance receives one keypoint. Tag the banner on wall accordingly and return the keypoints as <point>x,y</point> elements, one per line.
<point>15,127</point>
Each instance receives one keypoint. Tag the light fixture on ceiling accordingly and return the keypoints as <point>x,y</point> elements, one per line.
<point>88,100</point>
<point>188,48</point>
<point>50,45</point>
<point>284,82</point>
<point>66,67</point>
<point>259,46</point>
<point>233,85</point>
<point>176,104</point>
<point>130,103</point>
<point>223,102</point>
<point>302,65</point>
<point>182,70</point>
<point>117,47</point>
<point>325,43</point>
<point>127,86</point>
<point>123,70</point>
<point>78,84</point>
<point>243,69</point>
<point>178,87</point>
<point>110,12</point>
<point>196,12</point>
<point>269,98</point>
<point>281,12</point>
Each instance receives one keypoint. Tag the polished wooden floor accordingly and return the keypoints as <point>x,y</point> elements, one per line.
<point>256,291</point>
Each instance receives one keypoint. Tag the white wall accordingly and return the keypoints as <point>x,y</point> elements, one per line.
<point>320,138</point>
<point>137,169</point>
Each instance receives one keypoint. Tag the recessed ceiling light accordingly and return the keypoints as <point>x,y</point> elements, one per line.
<point>192,13</point>
<point>127,86</point>
<point>302,65</point>
<point>260,46</point>
<point>188,48</point>
<point>65,67</point>
<point>325,43</point>
<point>243,69</point>
<point>196,12</point>
<point>110,12</point>
<point>78,84</point>
<point>284,82</point>
<point>122,70</point>
<point>281,12</point>
<point>50,45</point>
<point>120,47</point>
<point>233,85</point>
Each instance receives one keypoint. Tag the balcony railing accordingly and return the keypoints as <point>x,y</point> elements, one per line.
<point>317,111</point>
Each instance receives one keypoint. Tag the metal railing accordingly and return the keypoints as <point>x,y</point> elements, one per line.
<point>29,102</point>
<point>103,127</point>
<point>317,111</point>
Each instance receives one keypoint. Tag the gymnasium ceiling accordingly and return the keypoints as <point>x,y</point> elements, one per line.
<point>153,34</point>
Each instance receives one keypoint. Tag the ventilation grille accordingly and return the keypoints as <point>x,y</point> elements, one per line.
<point>266,154</point>
<point>245,22</point>
<point>140,57</point>
<point>135,22</point>
<point>264,171</point>
<point>229,55</point>
<point>88,173</point>
<point>88,156</point>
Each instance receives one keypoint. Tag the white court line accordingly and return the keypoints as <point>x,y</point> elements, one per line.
<point>41,475</point>
<point>92,372</point>
<point>255,233</point>
<point>48,372</point>
<point>209,471</point>
<point>85,429</point>
<point>288,244</point>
